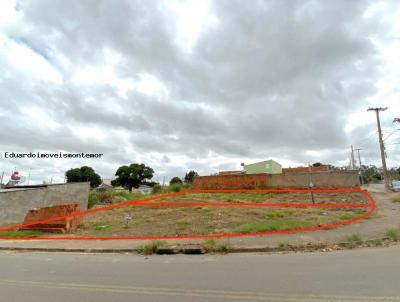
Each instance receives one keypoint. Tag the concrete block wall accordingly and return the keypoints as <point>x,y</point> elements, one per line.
<point>15,203</point>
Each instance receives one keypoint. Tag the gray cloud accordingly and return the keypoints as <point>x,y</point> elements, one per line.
<point>269,79</point>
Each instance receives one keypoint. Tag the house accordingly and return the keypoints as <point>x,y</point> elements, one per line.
<point>266,166</point>
<point>104,187</point>
<point>142,189</point>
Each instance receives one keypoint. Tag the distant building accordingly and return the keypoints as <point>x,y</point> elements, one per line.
<point>143,189</point>
<point>267,166</point>
<point>107,181</point>
<point>104,187</point>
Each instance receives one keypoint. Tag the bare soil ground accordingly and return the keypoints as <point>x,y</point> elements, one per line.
<point>170,221</point>
<point>271,198</point>
<point>201,220</point>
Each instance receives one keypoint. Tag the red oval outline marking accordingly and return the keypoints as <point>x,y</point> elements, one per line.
<point>147,202</point>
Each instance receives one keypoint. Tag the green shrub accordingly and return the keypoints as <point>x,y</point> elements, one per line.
<point>176,188</point>
<point>157,189</point>
<point>93,197</point>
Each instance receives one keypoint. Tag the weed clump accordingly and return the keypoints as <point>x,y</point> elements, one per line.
<point>393,234</point>
<point>354,240</point>
<point>150,248</point>
<point>211,246</point>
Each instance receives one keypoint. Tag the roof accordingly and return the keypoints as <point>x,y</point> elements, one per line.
<point>105,186</point>
<point>263,162</point>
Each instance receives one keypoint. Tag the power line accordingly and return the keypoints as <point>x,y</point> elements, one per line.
<point>363,141</point>
<point>390,134</point>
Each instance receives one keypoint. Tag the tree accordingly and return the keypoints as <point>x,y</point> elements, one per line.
<point>175,180</point>
<point>83,174</point>
<point>190,176</point>
<point>317,164</point>
<point>132,175</point>
<point>395,173</point>
<point>371,174</point>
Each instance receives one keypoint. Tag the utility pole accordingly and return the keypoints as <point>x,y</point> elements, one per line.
<point>359,157</point>
<point>359,161</point>
<point>382,147</point>
<point>353,164</point>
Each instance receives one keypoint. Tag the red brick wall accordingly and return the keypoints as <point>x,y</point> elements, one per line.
<point>41,214</point>
<point>231,172</point>
<point>244,181</point>
<point>331,179</point>
<point>323,168</point>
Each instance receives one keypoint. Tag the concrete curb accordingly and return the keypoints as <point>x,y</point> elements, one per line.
<point>198,250</point>
<point>65,250</point>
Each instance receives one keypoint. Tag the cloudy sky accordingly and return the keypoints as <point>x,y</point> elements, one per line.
<point>201,85</point>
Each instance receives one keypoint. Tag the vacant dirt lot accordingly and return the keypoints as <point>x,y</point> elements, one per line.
<point>271,197</point>
<point>201,220</point>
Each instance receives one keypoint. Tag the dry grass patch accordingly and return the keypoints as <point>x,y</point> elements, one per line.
<point>395,197</point>
<point>172,221</point>
<point>351,197</point>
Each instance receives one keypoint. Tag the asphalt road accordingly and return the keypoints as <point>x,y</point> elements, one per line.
<point>355,275</point>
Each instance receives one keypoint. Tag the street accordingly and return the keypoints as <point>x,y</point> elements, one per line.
<point>352,275</point>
